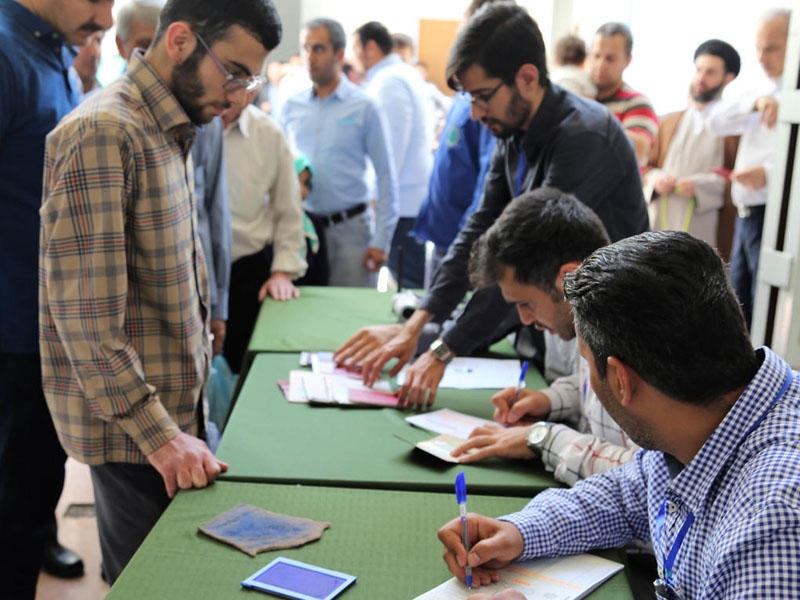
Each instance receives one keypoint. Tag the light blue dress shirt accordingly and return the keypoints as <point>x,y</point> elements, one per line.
<point>213,214</point>
<point>740,489</point>
<point>338,134</point>
<point>397,87</point>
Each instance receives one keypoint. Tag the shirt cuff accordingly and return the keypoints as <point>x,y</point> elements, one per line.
<point>150,425</point>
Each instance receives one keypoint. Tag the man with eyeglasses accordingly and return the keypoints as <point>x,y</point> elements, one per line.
<point>546,137</point>
<point>124,295</point>
<point>36,39</point>
<point>338,127</point>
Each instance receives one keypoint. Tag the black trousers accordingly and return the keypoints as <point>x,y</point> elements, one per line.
<point>31,474</point>
<point>248,274</point>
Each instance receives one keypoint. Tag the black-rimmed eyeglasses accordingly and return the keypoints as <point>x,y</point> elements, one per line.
<point>482,99</point>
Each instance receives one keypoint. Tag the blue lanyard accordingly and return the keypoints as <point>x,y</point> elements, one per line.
<point>522,170</point>
<point>676,546</point>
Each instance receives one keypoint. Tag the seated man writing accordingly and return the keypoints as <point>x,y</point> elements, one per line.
<point>716,489</point>
<point>539,238</point>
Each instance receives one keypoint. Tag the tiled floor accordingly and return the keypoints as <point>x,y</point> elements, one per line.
<point>79,533</point>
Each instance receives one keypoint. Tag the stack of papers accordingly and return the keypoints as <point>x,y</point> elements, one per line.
<point>339,390</point>
<point>564,578</point>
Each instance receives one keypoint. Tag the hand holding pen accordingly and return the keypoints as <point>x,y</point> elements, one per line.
<point>461,498</point>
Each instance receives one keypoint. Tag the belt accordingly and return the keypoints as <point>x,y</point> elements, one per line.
<point>747,211</point>
<point>342,215</point>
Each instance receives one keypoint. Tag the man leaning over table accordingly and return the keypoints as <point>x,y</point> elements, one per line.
<point>338,127</point>
<point>715,489</point>
<point>123,290</point>
<point>547,137</point>
<point>540,237</point>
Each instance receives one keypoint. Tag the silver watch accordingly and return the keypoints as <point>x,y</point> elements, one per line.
<point>538,435</point>
<point>441,351</point>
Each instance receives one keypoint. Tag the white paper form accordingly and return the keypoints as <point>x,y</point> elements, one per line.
<point>564,578</point>
<point>449,421</point>
<point>467,373</point>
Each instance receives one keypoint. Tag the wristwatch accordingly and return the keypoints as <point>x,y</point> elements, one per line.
<point>538,435</point>
<point>441,351</point>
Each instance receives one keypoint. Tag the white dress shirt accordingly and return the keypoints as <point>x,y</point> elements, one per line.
<point>264,192</point>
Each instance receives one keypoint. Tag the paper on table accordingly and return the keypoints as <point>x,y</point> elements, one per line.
<point>467,373</point>
<point>564,578</point>
<point>449,421</point>
<point>305,386</point>
<point>442,446</point>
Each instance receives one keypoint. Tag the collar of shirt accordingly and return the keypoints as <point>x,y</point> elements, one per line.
<point>700,117</point>
<point>343,91</point>
<point>693,483</point>
<point>390,60</point>
<point>243,123</point>
<point>35,26</point>
<point>166,109</point>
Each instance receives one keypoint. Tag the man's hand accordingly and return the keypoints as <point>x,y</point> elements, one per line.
<point>494,440</point>
<point>767,107</point>
<point>217,327</point>
<point>186,462</point>
<point>422,381</point>
<point>493,545</point>
<point>664,184</point>
<point>685,187</point>
<point>374,259</point>
<point>753,178</point>
<point>278,286</point>
<point>372,347</point>
<point>510,409</point>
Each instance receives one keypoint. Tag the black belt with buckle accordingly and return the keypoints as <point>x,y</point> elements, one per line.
<point>342,215</point>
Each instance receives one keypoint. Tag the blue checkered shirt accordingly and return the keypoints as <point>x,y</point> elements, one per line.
<point>743,487</point>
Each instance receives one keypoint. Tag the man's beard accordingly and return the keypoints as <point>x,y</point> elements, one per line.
<point>517,113</point>
<point>187,88</point>
<point>707,96</point>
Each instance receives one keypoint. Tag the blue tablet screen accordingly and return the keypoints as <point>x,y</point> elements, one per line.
<point>298,579</point>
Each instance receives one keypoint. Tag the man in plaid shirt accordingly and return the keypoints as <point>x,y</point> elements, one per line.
<point>124,298</point>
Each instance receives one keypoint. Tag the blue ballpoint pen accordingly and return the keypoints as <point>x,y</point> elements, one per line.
<point>461,498</point>
<point>521,380</point>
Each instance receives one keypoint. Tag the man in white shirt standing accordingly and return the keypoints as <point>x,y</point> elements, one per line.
<point>266,220</point>
<point>399,91</point>
<point>753,117</point>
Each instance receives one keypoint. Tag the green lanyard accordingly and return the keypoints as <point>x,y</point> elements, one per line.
<point>687,218</point>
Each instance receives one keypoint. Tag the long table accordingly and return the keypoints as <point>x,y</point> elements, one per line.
<point>268,439</point>
<point>387,539</point>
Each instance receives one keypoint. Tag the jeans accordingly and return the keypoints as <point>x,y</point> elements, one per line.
<point>413,276</point>
<point>744,259</point>
<point>31,474</point>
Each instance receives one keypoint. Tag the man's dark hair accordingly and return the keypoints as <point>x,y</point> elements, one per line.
<point>723,50</point>
<point>335,31</point>
<point>660,302</point>
<point>476,4</point>
<point>376,32</point>
<point>570,50</point>
<point>613,28</point>
<point>211,19</point>
<point>537,233</point>
<point>500,37</point>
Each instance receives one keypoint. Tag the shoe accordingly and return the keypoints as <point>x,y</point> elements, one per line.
<point>59,561</point>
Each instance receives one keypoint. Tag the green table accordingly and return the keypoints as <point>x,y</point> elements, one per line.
<point>320,319</point>
<point>268,439</point>
<point>387,539</point>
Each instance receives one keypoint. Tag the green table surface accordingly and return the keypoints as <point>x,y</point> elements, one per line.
<point>386,539</point>
<point>320,319</point>
<point>268,439</point>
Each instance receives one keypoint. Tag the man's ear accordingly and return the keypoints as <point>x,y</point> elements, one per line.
<point>527,78</point>
<point>728,78</point>
<point>622,380</point>
<point>180,41</point>
<point>565,268</point>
